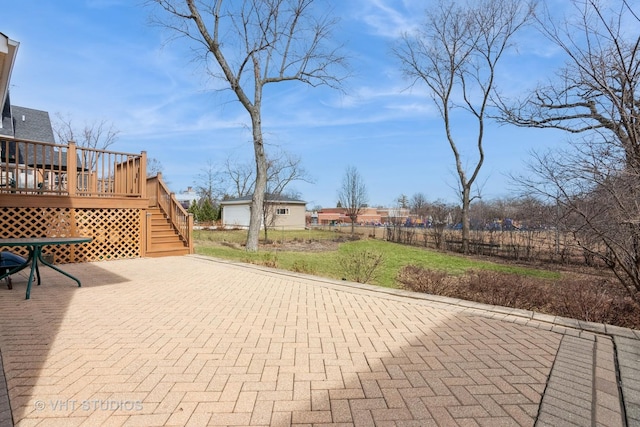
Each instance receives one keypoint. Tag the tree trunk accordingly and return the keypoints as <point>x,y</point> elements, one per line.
<point>257,202</point>
<point>466,203</point>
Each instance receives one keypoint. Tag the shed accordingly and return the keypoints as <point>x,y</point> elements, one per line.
<point>282,212</point>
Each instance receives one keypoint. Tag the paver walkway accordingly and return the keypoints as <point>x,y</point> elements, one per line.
<point>188,341</point>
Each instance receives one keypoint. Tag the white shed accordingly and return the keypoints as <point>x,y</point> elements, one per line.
<point>283,212</point>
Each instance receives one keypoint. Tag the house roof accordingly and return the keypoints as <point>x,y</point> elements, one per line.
<point>26,123</point>
<point>269,198</point>
<point>32,125</point>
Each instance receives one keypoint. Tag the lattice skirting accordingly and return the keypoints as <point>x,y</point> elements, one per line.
<point>117,233</point>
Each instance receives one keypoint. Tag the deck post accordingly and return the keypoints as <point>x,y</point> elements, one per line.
<point>72,169</point>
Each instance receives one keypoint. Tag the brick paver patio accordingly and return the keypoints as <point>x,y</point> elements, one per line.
<point>188,341</point>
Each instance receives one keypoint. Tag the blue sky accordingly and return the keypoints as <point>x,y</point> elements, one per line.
<point>94,60</point>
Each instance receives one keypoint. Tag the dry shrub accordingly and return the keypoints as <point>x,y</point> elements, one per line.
<point>361,266</point>
<point>508,290</point>
<point>599,302</point>
<point>428,281</point>
<point>581,299</point>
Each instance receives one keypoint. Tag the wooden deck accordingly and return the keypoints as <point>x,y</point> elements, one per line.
<point>54,190</point>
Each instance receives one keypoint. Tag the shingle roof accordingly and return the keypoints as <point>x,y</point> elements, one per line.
<point>30,124</point>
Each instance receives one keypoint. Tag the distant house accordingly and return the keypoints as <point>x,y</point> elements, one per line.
<point>283,212</point>
<point>187,197</point>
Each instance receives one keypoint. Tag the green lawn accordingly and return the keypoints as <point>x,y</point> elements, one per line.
<point>226,244</point>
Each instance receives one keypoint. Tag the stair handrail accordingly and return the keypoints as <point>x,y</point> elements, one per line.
<point>161,197</point>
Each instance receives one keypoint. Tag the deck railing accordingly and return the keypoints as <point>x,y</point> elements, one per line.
<point>160,196</point>
<point>32,167</point>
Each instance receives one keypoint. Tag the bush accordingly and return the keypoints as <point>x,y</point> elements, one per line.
<point>424,280</point>
<point>360,266</point>
<point>569,297</point>
<point>508,290</point>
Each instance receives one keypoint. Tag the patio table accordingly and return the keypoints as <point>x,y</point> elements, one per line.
<point>34,246</point>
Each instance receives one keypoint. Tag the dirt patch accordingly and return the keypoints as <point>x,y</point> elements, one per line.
<point>303,246</point>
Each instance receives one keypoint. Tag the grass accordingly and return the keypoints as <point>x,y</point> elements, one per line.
<point>227,245</point>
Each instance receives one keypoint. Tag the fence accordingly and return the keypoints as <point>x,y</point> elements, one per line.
<point>528,245</point>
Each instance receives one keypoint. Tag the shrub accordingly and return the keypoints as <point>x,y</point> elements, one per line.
<point>569,297</point>
<point>425,280</point>
<point>360,266</point>
<point>507,289</point>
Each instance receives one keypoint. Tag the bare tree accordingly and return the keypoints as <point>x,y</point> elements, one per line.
<point>99,134</point>
<point>240,178</point>
<point>255,43</point>
<point>419,205</point>
<point>282,169</point>
<point>455,53</point>
<point>154,167</point>
<point>352,196</point>
<point>595,180</point>
<point>209,185</point>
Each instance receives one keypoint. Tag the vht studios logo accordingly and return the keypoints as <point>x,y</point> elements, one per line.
<point>88,405</point>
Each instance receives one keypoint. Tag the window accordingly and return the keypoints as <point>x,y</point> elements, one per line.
<point>282,211</point>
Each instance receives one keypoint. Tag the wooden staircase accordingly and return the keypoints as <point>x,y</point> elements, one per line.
<point>164,240</point>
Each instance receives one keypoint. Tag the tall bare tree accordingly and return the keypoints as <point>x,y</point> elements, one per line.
<point>455,54</point>
<point>254,43</point>
<point>353,195</point>
<point>595,96</point>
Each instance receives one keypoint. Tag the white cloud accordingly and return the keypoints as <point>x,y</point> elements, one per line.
<point>390,18</point>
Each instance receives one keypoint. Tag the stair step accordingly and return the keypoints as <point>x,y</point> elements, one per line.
<point>163,232</point>
<point>165,241</point>
<point>163,253</point>
<point>174,242</point>
<point>161,246</point>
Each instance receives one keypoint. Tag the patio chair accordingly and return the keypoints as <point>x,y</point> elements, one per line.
<point>10,261</point>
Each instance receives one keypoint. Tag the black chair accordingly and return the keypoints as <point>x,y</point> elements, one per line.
<point>10,261</point>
